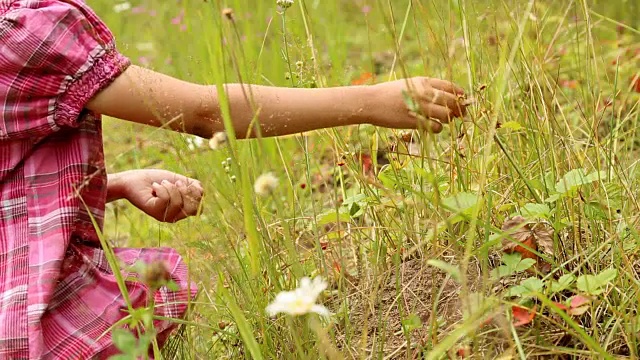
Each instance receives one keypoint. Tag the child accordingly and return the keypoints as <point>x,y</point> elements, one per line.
<point>59,70</point>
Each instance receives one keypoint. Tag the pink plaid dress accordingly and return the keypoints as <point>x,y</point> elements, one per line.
<point>58,296</point>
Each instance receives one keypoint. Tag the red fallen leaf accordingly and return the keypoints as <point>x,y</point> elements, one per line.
<point>336,266</point>
<point>487,321</point>
<point>561,306</point>
<point>367,164</point>
<point>579,300</point>
<point>362,79</point>
<point>463,351</point>
<point>569,84</point>
<point>635,82</point>
<point>529,243</point>
<point>522,316</point>
<point>579,304</point>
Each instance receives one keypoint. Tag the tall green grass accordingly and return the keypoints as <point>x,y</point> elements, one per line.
<point>409,253</point>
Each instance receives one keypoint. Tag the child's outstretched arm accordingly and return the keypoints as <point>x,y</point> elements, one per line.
<point>151,98</point>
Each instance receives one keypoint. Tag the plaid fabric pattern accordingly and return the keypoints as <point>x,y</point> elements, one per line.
<point>58,296</point>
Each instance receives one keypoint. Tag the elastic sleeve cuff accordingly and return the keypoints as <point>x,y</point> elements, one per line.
<point>101,72</point>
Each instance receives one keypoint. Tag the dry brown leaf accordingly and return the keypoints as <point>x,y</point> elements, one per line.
<point>544,238</point>
<point>518,232</point>
<point>527,237</point>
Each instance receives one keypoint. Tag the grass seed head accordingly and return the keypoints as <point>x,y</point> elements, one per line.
<point>265,184</point>
<point>228,13</point>
<point>218,140</point>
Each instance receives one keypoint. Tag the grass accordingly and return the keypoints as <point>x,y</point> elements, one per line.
<point>414,253</point>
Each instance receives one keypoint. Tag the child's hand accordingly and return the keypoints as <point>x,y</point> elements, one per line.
<point>438,100</point>
<point>161,194</point>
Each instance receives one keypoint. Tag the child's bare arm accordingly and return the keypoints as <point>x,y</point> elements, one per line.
<point>148,97</point>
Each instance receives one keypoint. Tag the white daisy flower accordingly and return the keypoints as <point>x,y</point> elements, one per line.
<point>301,300</point>
<point>122,7</point>
<point>194,142</point>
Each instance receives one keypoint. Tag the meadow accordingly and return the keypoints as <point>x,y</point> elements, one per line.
<point>511,234</point>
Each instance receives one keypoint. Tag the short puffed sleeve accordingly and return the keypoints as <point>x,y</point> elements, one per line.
<point>55,55</point>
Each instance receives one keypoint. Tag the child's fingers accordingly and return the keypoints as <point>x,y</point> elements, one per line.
<point>174,207</point>
<point>161,193</point>
<point>438,112</point>
<point>448,100</point>
<point>431,123</point>
<point>191,196</point>
<point>447,86</point>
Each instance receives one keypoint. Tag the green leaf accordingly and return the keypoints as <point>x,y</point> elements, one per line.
<point>575,178</point>
<point>500,272</point>
<point>511,260</point>
<point>461,203</point>
<point>563,282</point>
<point>571,180</point>
<point>589,284</point>
<point>355,205</point>
<point>528,286</point>
<point>355,199</point>
<point>596,284</point>
<point>411,323</point>
<point>513,263</point>
<point>124,340</point>
<point>333,216</point>
<point>552,198</point>
<point>607,276</point>
<point>516,263</point>
<point>525,264</point>
<point>595,176</point>
<point>512,125</point>
<point>452,270</point>
<point>595,211</point>
<point>392,178</point>
<point>533,211</point>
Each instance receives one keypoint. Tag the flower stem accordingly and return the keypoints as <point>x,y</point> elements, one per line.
<point>326,346</point>
<point>286,46</point>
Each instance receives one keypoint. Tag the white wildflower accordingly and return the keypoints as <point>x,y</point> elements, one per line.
<point>144,46</point>
<point>122,7</point>
<point>285,4</point>
<point>218,140</point>
<point>265,184</point>
<point>194,142</point>
<point>301,300</point>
